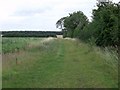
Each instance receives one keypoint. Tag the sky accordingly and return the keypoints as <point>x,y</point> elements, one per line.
<point>40,14</point>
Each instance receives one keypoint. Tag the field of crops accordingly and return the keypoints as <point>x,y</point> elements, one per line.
<point>57,63</point>
<point>10,45</point>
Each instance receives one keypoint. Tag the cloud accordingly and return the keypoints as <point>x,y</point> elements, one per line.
<point>31,11</point>
<point>40,14</point>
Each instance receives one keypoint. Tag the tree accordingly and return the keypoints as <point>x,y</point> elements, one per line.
<point>60,25</point>
<point>105,20</point>
<point>72,24</point>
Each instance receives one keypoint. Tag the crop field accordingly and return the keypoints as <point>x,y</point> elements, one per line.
<point>56,63</point>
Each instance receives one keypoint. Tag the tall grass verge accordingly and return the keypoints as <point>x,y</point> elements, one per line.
<point>109,54</point>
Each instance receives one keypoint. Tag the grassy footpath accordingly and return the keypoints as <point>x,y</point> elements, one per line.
<point>59,63</point>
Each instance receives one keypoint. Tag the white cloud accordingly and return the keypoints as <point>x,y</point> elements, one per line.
<point>39,14</point>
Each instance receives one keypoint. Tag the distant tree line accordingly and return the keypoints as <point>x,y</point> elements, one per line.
<point>31,33</point>
<point>103,30</point>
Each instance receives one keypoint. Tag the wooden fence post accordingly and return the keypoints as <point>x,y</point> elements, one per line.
<point>16,61</point>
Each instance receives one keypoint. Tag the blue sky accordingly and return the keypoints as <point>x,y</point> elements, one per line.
<point>40,14</point>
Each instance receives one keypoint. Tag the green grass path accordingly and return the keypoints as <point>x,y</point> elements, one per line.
<point>60,64</point>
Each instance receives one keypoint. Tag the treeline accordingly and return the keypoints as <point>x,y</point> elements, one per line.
<point>103,30</point>
<point>31,33</point>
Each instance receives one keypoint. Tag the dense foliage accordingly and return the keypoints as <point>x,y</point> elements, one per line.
<point>105,21</point>
<point>103,29</point>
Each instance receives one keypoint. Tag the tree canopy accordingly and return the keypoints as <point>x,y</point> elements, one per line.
<point>72,24</point>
